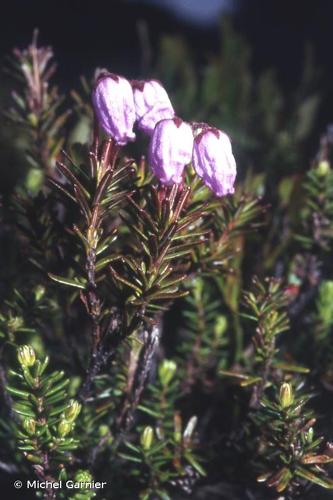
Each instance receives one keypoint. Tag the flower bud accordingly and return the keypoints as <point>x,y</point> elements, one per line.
<point>72,410</point>
<point>152,104</point>
<point>29,425</point>
<point>83,476</point>
<point>26,356</point>
<point>103,430</point>
<point>286,395</point>
<point>114,107</point>
<point>214,162</point>
<point>64,428</point>
<point>170,149</point>
<point>166,371</point>
<point>147,437</point>
<point>323,168</point>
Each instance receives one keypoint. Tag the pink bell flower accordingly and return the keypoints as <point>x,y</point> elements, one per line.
<point>214,162</point>
<point>114,107</point>
<point>152,104</point>
<point>170,149</point>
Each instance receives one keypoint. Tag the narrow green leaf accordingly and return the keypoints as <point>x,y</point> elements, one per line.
<point>66,281</point>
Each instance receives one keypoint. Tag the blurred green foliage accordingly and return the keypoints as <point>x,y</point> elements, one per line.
<point>269,127</point>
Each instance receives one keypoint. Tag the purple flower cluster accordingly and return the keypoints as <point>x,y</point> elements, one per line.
<point>118,104</point>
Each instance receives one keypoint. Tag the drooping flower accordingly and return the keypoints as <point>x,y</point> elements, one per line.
<point>213,160</point>
<point>152,104</point>
<point>170,149</point>
<point>114,106</point>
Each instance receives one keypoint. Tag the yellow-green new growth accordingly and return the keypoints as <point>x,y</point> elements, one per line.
<point>286,395</point>
<point>26,356</point>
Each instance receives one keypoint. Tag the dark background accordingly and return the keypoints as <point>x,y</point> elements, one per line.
<point>86,34</point>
